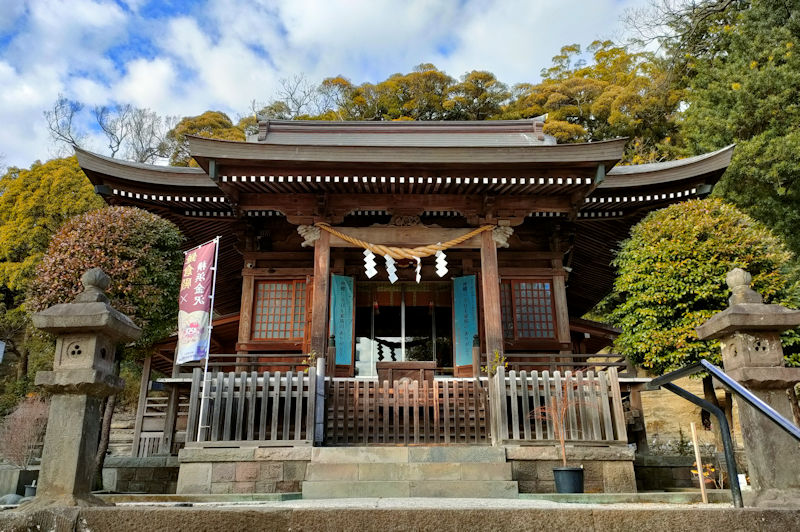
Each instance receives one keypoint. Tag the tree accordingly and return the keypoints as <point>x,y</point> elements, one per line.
<point>686,30</point>
<point>140,252</point>
<point>22,431</point>
<point>619,94</point>
<point>211,124</point>
<point>137,134</point>
<point>671,278</point>
<point>140,134</point>
<point>13,332</point>
<point>748,95</point>
<point>34,203</point>
<point>479,96</point>
<point>418,95</point>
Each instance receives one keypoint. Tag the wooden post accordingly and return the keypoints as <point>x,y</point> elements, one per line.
<point>330,356</point>
<point>319,404</point>
<point>171,415</point>
<point>490,284</point>
<point>638,430</point>
<point>699,461</point>
<point>476,357</point>
<point>143,387</point>
<point>169,420</point>
<point>319,303</point>
<point>246,309</point>
<point>561,311</point>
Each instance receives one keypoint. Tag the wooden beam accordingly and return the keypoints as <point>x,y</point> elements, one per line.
<point>419,235</point>
<point>343,204</point>
<point>523,273</point>
<point>319,300</point>
<point>144,384</point>
<point>277,273</point>
<point>490,284</point>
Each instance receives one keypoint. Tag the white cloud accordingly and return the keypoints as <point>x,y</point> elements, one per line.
<point>229,52</point>
<point>147,83</point>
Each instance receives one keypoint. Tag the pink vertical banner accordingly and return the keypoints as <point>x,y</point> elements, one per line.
<point>195,303</point>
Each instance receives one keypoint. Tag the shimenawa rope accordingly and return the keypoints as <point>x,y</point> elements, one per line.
<point>404,253</point>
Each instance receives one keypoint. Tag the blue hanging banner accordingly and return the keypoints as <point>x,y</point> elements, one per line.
<point>465,318</point>
<point>341,322</point>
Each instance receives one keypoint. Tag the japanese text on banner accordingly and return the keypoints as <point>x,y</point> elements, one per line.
<point>194,314</point>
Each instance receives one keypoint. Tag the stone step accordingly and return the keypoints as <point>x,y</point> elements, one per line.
<point>339,489</point>
<point>409,471</point>
<point>371,455</point>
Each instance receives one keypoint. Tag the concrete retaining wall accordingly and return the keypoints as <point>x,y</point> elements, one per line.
<point>242,470</point>
<point>154,474</point>
<point>606,469</point>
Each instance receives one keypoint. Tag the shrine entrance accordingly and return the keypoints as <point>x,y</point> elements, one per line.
<point>402,322</point>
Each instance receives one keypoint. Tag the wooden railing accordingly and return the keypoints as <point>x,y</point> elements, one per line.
<point>524,403</point>
<point>568,362</point>
<point>271,407</point>
<point>149,444</point>
<point>283,362</point>
<point>361,412</point>
<point>153,421</point>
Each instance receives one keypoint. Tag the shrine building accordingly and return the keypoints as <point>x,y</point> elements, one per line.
<point>500,238</point>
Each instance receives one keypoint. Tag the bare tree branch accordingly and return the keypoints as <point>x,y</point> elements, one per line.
<point>299,95</point>
<point>147,135</point>
<point>114,121</point>
<point>61,122</point>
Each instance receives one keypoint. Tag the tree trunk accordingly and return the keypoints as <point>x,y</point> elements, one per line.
<point>729,413</point>
<point>22,352</point>
<point>105,434</point>
<point>711,396</point>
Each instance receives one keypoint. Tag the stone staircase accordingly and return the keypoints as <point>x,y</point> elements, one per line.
<point>357,472</point>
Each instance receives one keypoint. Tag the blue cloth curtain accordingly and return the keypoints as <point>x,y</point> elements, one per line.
<point>465,318</point>
<point>341,321</point>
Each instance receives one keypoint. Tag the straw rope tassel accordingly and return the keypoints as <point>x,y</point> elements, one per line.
<point>404,253</point>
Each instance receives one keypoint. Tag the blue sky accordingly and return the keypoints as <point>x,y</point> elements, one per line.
<point>181,58</point>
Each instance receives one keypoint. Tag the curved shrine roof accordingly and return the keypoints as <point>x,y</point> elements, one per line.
<point>297,161</point>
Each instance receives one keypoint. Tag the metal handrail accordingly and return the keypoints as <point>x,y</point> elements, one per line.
<point>666,381</point>
<point>734,387</point>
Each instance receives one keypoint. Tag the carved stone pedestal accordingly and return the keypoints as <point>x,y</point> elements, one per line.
<point>749,333</point>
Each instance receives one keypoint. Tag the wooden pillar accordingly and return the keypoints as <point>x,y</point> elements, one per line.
<point>246,309</point>
<point>490,285</point>
<point>561,310</point>
<point>319,302</point>
<point>143,387</point>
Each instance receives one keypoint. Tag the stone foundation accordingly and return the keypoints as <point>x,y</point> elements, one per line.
<point>282,470</point>
<point>606,469</point>
<point>153,475</point>
<point>242,470</point>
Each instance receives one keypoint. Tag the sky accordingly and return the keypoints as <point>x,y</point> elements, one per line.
<point>181,58</point>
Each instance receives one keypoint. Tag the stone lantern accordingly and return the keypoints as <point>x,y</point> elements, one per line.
<point>749,334</point>
<point>88,331</point>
